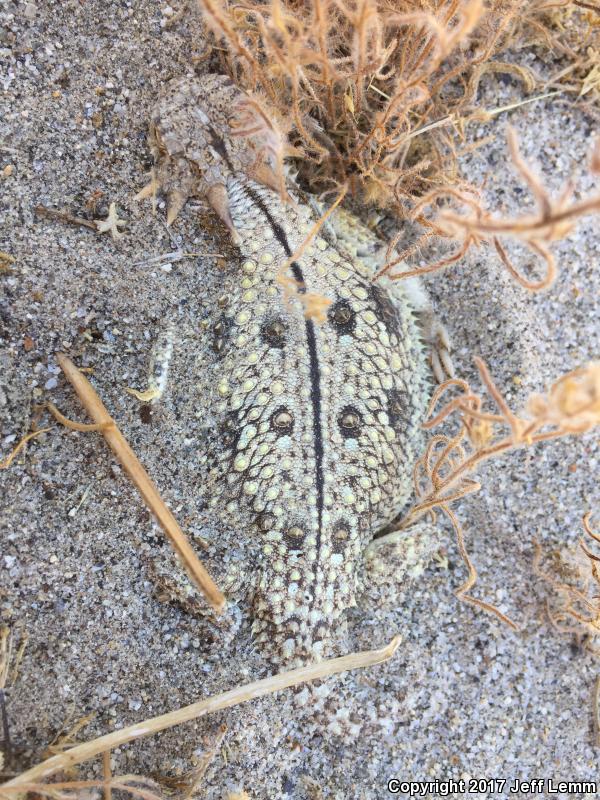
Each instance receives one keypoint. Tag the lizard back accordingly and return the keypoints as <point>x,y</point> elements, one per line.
<point>316,421</point>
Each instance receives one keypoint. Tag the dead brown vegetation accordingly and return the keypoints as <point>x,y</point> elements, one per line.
<point>471,225</point>
<point>378,94</point>
<point>375,98</point>
<point>443,474</point>
<point>33,780</point>
<point>574,577</point>
<point>105,424</point>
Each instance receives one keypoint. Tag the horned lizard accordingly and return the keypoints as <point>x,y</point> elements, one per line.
<point>316,421</point>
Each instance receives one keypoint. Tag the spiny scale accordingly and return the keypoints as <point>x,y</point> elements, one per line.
<point>317,425</point>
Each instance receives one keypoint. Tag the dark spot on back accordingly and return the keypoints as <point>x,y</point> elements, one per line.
<point>229,431</point>
<point>342,317</point>
<point>273,332</point>
<point>294,536</point>
<point>340,537</point>
<point>398,407</point>
<point>350,422</point>
<point>220,332</point>
<point>265,521</point>
<point>282,421</point>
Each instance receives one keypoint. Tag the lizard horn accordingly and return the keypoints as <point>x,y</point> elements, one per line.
<point>175,202</point>
<point>219,202</point>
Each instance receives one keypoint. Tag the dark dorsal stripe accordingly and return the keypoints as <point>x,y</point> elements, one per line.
<point>315,376</point>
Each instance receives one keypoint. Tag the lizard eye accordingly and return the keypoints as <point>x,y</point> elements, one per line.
<point>349,421</point>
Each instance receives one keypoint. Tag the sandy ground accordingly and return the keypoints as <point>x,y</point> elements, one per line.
<point>465,696</point>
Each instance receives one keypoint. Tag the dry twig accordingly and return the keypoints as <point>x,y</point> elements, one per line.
<point>442,474</point>
<point>571,406</point>
<point>379,93</point>
<point>6,462</point>
<point>315,305</point>
<point>575,607</point>
<point>135,785</point>
<point>110,224</point>
<point>377,97</point>
<point>241,694</point>
<point>553,220</point>
<point>117,443</point>
<point>9,669</point>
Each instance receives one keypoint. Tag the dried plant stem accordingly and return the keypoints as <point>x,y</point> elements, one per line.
<point>7,750</point>
<point>82,427</point>
<point>9,668</point>
<point>441,474</point>
<point>5,654</point>
<point>575,598</point>
<point>596,710</point>
<point>117,443</point>
<point>65,216</point>
<point>192,780</point>
<point>240,694</point>
<point>12,455</point>
<point>523,433</point>
<point>434,498</point>
<point>463,591</point>
<point>314,304</point>
<point>107,775</point>
<point>313,231</point>
<point>67,790</point>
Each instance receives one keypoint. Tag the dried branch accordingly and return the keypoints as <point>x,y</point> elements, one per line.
<point>240,694</point>
<point>6,462</point>
<point>72,790</point>
<point>442,474</point>
<point>576,583</point>
<point>315,305</point>
<point>117,443</point>
<point>387,86</point>
<point>572,406</point>
<point>553,220</point>
<point>110,224</point>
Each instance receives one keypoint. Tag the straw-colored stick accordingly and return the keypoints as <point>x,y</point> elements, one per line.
<point>118,444</point>
<point>240,694</point>
<point>5,464</point>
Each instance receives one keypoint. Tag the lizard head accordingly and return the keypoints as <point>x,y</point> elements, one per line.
<point>202,132</point>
